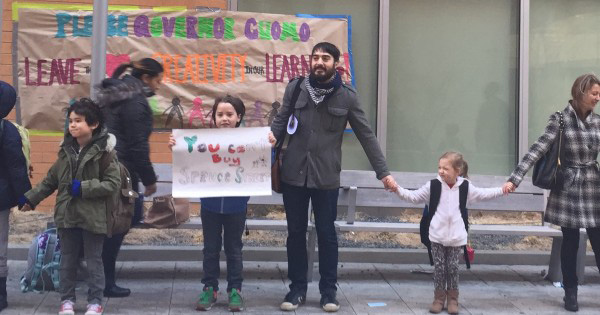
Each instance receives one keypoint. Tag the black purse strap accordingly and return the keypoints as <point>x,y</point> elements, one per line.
<point>561,128</point>
<point>295,95</point>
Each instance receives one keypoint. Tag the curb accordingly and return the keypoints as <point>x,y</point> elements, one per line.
<point>346,255</point>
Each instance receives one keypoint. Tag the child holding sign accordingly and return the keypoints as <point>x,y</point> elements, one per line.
<point>226,216</point>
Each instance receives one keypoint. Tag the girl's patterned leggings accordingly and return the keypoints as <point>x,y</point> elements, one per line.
<point>445,261</point>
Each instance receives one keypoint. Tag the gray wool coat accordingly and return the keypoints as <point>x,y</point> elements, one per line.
<point>314,152</point>
<point>577,203</point>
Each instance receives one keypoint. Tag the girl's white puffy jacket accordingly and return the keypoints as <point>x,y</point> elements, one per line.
<point>447,226</point>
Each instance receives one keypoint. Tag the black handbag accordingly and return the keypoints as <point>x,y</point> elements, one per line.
<point>547,172</point>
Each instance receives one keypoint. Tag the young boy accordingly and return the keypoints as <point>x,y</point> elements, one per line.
<point>14,181</point>
<point>80,211</point>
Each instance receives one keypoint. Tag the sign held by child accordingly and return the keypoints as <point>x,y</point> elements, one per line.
<point>221,162</point>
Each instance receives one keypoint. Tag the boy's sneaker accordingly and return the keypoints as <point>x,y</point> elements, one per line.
<point>66,308</point>
<point>329,303</point>
<point>292,300</point>
<point>207,299</point>
<point>236,302</point>
<point>94,309</point>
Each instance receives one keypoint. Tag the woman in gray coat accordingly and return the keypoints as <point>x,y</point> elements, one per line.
<point>577,204</point>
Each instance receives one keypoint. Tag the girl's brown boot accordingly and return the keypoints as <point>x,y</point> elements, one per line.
<point>452,301</point>
<point>439,298</point>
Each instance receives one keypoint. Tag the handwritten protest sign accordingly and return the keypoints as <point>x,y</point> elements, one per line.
<point>221,162</point>
<point>205,54</point>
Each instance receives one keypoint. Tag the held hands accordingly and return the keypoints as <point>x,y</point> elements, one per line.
<point>508,187</point>
<point>272,139</point>
<point>24,204</point>
<point>26,207</point>
<point>149,190</point>
<point>389,183</point>
<point>172,142</point>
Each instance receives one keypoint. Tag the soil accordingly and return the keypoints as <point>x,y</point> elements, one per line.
<point>23,227</point>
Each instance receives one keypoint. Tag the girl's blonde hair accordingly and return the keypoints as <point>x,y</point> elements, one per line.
<point>458,162</point>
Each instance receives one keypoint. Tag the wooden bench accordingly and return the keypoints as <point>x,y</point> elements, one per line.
<point>364,190</point>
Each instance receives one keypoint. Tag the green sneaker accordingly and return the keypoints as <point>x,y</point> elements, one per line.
<point>207,299</point>
<point>236,302</point>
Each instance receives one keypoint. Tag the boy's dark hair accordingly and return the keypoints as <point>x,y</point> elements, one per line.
<point>328,48</point>
<point>237,104</point>
<point>91,111</point>
<point>147,66</point>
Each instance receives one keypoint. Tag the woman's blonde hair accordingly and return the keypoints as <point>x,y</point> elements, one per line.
<point>581,85</point>
<point>458,162</point>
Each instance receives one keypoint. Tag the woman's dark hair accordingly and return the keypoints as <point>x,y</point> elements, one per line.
<point>328,48</point>
<point>91,111</point>
<point>237,104</point>
<point>147,66</point>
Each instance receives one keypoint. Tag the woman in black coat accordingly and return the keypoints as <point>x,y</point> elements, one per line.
<point>129,117</point>
<point>576,204</point>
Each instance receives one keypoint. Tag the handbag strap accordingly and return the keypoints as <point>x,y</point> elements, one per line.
<point>561,128</point>
<point>295,95</point>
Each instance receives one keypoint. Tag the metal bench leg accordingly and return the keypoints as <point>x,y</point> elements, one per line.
<point>350,217</point>
<point>554,271</point>
<point>554,268</point>
<point>311,246</point>
<point>581,254</point>
<point>312,252</point>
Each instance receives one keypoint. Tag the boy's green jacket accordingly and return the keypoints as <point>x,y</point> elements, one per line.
<point>87,211</point>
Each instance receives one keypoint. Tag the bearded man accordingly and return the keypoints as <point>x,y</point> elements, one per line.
<point>311,167</point>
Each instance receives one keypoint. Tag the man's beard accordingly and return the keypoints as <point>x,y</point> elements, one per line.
<point>327,74</point>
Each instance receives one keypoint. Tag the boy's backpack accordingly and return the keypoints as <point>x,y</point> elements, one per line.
<point>43,263</point>
<point>120,205</point>
<point>26,144</point>
<point>429,211</point>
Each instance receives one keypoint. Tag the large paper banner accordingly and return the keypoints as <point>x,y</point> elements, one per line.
<point>221,162</point>
<point>205,55</point>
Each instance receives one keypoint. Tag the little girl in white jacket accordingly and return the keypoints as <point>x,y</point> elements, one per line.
<point>447,231</point>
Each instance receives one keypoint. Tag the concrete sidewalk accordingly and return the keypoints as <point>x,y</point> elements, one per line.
<point>172,288</point>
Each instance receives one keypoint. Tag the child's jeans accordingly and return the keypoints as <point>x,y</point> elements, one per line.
<point>4,214</point>
<point>231,227</point>
<point>445,262</point>
<point>72,241</point>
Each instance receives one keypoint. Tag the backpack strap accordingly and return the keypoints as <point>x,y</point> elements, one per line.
<point>105,159</point>
<point>39,257</point>
<point>435,192</point>
<point>463,191</point>
<point>293,101</point>
<point>55,265</point>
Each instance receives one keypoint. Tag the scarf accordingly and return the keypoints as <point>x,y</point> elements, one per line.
<point>318,91</point>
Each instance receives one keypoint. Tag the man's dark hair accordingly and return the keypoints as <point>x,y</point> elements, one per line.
<point>237,104</point>
<point>328,48</point>
<point>91,111</point>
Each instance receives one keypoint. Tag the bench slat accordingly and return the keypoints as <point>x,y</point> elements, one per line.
<point>413,180</point>
<point>253,224</point>
<point>367,197</point>
<point>489,229</point>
